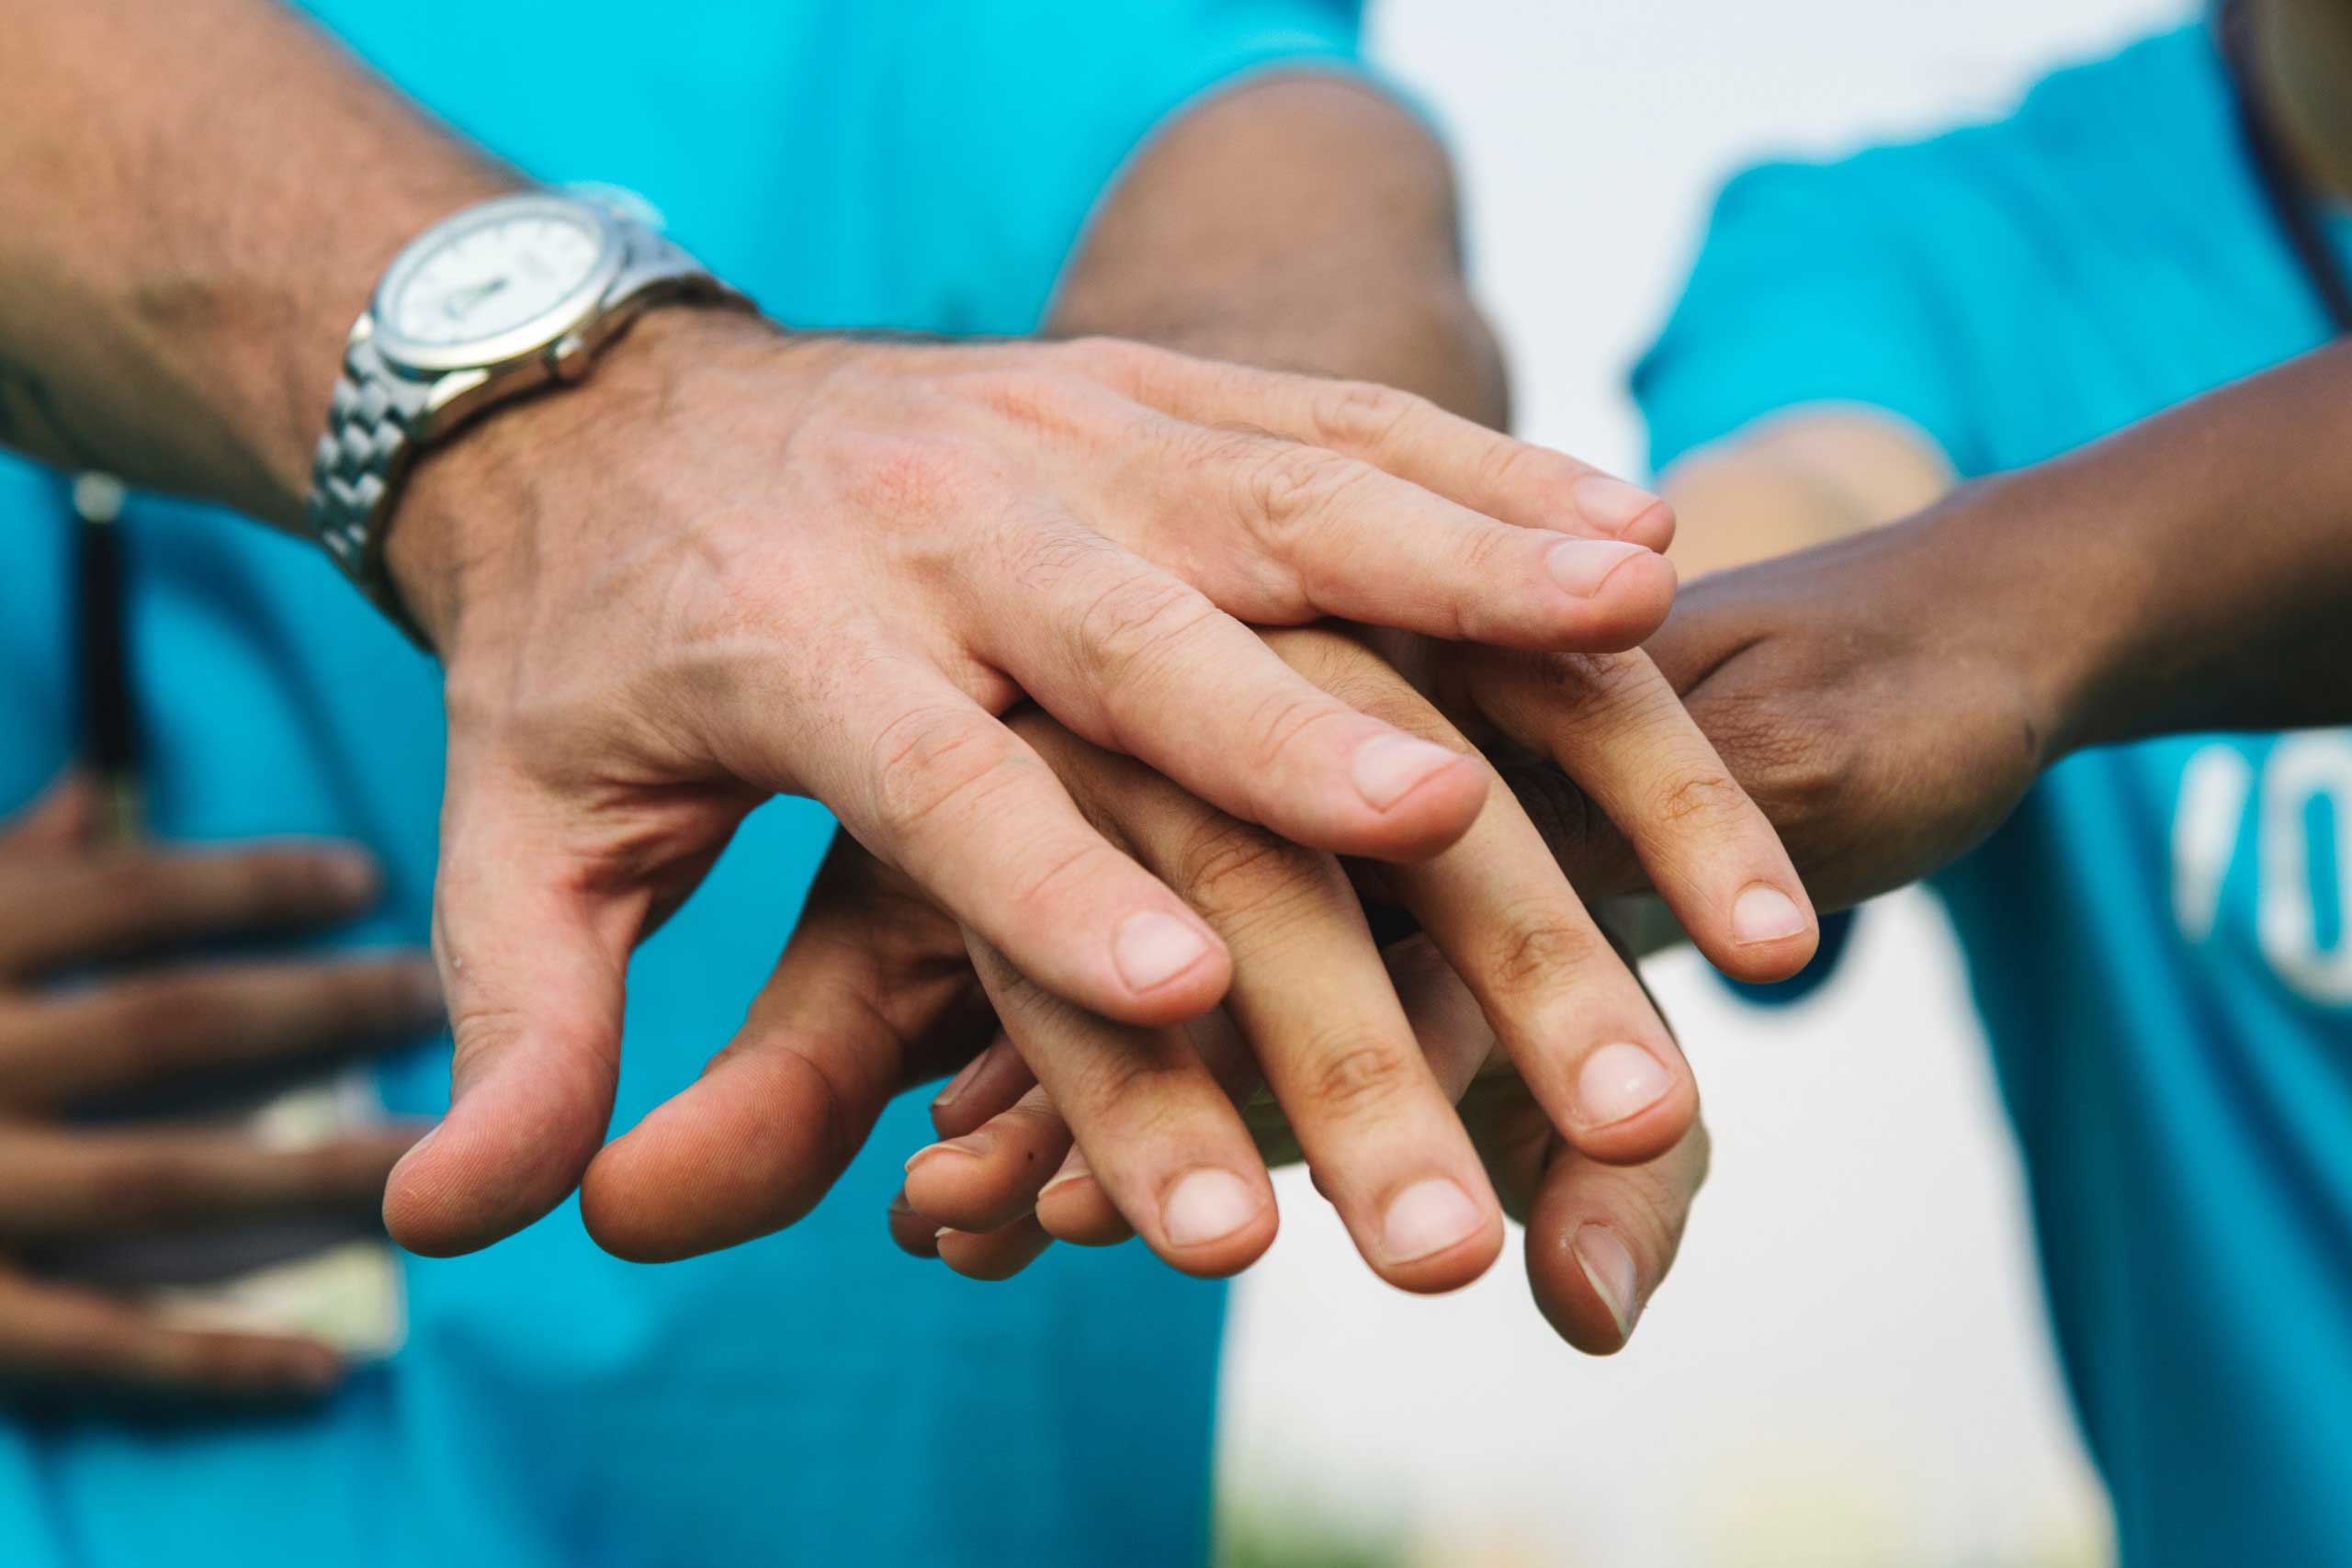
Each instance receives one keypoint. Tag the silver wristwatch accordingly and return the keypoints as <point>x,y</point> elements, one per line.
<point>501,298</point>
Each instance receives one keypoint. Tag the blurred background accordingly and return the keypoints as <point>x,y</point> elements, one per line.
<point>1849,1365</point>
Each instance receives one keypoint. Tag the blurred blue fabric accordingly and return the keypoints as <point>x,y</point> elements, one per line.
<point>817,1397</point>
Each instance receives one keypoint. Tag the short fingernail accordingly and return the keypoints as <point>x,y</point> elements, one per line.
<point>1620,1081</point>
<point>1427,1218</point>
<point>1581,566</point>
<point>1153,949</point>
<point>1764,913</point>
<point>972,1146</point>
<point>960,1082</point>
<point>1609,1269</point>
<point>1390,767</point>
<point>1074,1168</point>
<point>1611,503</point>
<point>1205,1206</point>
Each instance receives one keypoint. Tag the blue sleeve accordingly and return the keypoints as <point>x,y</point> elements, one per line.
<point>1090,83</point>
<point>1808,290</point>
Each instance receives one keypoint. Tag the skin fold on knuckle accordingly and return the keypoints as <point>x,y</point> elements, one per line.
<point>927,763</point>
<point>1365,416</point>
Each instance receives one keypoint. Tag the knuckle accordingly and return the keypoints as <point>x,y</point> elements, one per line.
<point>1135,625</point>
<point>1038,897</point>
<point>1232,869</point>
<point>1285,722</point>
<point>1540,948</point>
<point>1296,491</point>
<point>931,761</point>
<point>1699,797</point>
<point>1364,414</point>
<point>1356,1079</point>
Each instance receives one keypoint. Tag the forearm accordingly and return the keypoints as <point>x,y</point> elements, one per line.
<point>199,198</point>
<point>1303,223</point>
<point>1801,479</point>
<point>2195,571</point>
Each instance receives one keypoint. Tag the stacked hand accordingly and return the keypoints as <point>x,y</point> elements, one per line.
<point>67,1050</point>
<point>735,564</point>
<point>1365,1057</point>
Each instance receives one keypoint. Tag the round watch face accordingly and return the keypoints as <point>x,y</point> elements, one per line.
<point>501,269</point>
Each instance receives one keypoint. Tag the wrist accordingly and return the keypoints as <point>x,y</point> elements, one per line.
<point>2026,606</point>
<point>551,473</point>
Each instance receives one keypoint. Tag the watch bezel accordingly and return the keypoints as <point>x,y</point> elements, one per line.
<point>526,339</point>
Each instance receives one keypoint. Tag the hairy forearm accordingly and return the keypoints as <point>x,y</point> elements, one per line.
<point>197,198</point>
<point>2195,570</point>
<point>1303,223</point>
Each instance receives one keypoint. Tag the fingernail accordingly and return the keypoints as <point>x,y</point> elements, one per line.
<point>352,875</point>
<point>1074,1168</point>
<point>1427,1218</point>
<point>1609,1269</point>
<point>1205,1206</point>
<point>1387,768</point>
<point>1620,1081</point>
<point>1581,566</point>
<point>960,1082</point>
<point>1611,503</point>
<point>972,1146</point>
<point>1762,913</point>
<point>1153,949</point>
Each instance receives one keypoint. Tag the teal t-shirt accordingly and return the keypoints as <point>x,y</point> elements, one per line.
<point>2158,940</point>
<point>816,1397</point>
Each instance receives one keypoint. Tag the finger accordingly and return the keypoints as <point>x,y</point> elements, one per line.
<point>1570,1013</point>
<point>996,1254</point>
<point>1171,1150</point>
<point>987,1178</point>
<point>1313,1000</point>
<point>67,1341</point>
<point>1601,1238</point>
<point>533,948</point>
<point>63,817</point>
<point>1145,664</point>
<point>779,1114</point>
<point>914,1236</point>
<point>968,812</point>
<point>138,1034</point>
<point>134,899</point>
<point>1408,436</point>
<point>56,1184</point>
<point>986,1086</point>
<point>1073,1207</point>
<point>1615,726</point>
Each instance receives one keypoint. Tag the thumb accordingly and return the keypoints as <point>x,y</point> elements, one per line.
<point>873,992</point>
<point>534,950</point>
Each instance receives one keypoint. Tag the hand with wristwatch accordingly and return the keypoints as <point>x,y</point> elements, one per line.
<point>741,563</point>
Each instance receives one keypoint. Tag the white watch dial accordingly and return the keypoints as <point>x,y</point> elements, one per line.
<point>489,278</point>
